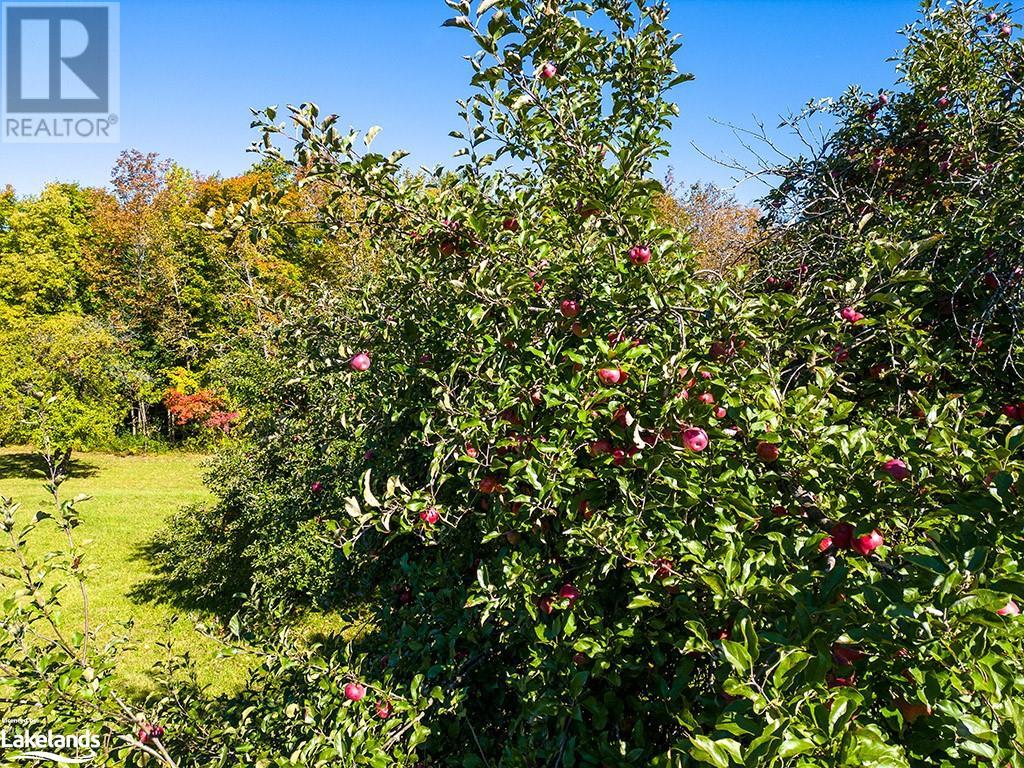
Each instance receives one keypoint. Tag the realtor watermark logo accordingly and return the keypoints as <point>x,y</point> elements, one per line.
<point>20,743</point>
<point>61,72</point>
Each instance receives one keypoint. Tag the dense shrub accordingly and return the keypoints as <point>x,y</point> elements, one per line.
<point>617,515</point>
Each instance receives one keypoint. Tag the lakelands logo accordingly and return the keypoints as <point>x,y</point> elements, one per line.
<point>21,744</point>
<point>61,72</point>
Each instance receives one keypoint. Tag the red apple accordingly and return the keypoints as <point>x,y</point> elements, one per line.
<point>570,308</point>
<point>896,469</point>
<point>1010,609</point>
<point>490,485</point>
<point>546,604</point>
<point>610,376</point>
<point>825,544</point>
<point>430,515</point>
<point>707,398</point>
<point>695,439</point>
<point>1005,31</point>
<point>471,451</point>
<point>640,255</point>
<point>720,412</point>
<point>548,71</point>
<point>719,350</point>
<point>622,416</point>
<point>510,224</point>
<point>868,543</point>
<point>851,315</point>
<point>767,452</point>
<point>992,17</point>
<point>597,447</point>
<point>912,710</point>
<point>569,592</point>
<point>355,692</point>
<point>619,457</point>
<point>846,655</point>
<point>842,535</point>
<point>383,709</point>
<point>584,509</point>
<point>316,487</point>
<point>663,568</point>
<point>834,681</point>
<point>360,362</point>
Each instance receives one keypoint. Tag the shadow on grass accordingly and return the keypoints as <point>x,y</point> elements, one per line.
<point>167,586</point>
<point>27,465</point>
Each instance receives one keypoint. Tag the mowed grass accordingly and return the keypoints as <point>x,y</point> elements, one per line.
<point>132,496</point>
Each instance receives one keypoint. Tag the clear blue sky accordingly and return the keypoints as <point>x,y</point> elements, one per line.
<point>191,69</point>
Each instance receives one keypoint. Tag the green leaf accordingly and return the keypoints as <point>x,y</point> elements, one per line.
<point>708,751</point>
<point>790,664</point>
<point>368,497</point>
<point>458,21</point>
<point>738,657</point>
<point>641,601</point>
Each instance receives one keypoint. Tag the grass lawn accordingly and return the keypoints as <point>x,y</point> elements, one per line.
<point>132,496</point>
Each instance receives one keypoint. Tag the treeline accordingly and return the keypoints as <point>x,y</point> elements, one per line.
<point>125,320</point>
<point>122,317</point>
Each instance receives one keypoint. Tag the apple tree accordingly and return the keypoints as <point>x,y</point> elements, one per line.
<point>589,509</point>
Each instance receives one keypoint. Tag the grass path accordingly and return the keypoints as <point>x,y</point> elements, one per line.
<point>131,498</point>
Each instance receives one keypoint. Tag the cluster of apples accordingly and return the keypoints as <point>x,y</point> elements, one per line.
<point>841,537</point>
<point>567,595</point>
<point>1005,30</point>
<point>356,692</point>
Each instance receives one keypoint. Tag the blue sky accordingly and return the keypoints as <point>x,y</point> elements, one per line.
<point>192,69</point>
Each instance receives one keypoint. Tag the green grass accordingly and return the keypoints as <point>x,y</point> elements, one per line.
<point>131,498</point>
